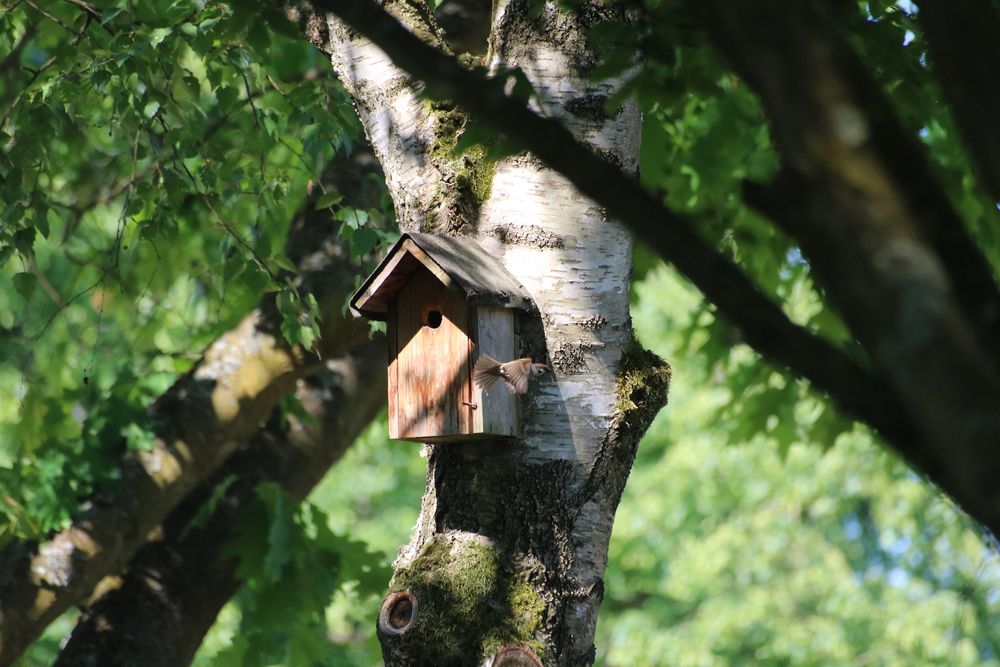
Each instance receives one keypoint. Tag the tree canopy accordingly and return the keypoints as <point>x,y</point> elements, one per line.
<point>170,168</point>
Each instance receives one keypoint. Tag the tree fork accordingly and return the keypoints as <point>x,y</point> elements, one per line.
<point>860,392</point>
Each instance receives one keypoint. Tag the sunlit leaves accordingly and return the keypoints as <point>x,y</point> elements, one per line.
<point>300,318</point>
<point>150,162</point>
<point>774,551</point>
<point>291,580</point>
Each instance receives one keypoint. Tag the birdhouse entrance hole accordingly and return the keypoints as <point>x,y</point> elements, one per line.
<point>434,319</point>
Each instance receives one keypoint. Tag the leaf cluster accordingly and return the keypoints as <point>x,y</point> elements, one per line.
<point>152,155</point>
<point>290,582</point>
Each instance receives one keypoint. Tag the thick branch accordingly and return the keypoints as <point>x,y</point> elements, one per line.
<point>833,122</point>
<point>763,323</point>
<point>962,35</point>
<point>207,412</point>
<point>880,234</point>
<point>175,586</point>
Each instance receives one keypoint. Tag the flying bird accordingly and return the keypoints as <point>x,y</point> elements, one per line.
<point>515,373</point>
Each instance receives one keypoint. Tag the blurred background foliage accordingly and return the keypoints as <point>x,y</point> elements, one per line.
<point>152,154</point>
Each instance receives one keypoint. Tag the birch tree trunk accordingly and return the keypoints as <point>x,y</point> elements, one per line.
<point>508,555</point>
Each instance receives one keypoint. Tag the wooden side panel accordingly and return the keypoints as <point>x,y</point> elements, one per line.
<point>432,362</point>
<point>392,382</point>
<point>494,333</point>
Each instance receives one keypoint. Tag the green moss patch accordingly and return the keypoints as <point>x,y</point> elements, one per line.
<point>473,170</point>
<point>643,385</point>
<point>469,602</point>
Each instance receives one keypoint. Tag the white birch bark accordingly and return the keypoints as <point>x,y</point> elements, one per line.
<point>511,544</point>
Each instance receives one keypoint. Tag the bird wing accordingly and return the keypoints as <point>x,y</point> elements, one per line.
<point>517,373</point>
<point>486,372</point>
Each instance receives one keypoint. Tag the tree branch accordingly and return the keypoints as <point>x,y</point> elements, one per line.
<point>857,193</point>
<point>175,586</point>
<point>832,121</point>
<point>207,412</point>
<point>763,323</point>
<point>962,38</point>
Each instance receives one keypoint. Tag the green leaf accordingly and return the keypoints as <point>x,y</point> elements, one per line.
<point>25,284</point>
<point>257,35</point>
<point>157,36</point>
<point>279,531</point>
<point>329,199</point>
<point>138,438</point>
<point>352,217</point>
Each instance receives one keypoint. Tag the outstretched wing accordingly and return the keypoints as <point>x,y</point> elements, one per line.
<point>517,374</point>
<point>486,372</point>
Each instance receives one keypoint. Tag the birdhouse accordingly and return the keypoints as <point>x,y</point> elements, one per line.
<point>445,301</point>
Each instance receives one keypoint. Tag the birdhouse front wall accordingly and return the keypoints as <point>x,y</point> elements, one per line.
<point>430,387</point>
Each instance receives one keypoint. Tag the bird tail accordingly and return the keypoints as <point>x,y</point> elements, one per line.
<point>486,372</point>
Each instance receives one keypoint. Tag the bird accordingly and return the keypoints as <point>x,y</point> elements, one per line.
<point>515,373</point>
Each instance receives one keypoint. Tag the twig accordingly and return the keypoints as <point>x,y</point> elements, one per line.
<point>11,61</point>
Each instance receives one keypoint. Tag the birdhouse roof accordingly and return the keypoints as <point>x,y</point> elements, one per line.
<point>459,263</point>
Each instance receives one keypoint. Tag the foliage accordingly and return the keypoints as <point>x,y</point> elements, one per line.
<point>152,155</point>
<point>289,583</point>
<point>773,551</point>
<point>776,552</point>
<point>372,495</point>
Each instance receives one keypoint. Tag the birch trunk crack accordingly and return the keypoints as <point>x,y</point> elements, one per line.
<point>511,544</point>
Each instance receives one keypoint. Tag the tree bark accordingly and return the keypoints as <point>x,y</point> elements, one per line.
<point>511,543</point>
<point>206,414</point>
<point>158,612</point>
<point>153,615</point>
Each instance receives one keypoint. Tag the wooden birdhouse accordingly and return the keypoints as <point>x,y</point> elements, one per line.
<point>445,301</point>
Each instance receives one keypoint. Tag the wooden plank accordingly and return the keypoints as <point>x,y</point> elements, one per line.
<point>429,263</point>
<point>385,283</point>
<point>497,413</point>
<point>395,272</point>
<point>432,362</point>
<point>392,382</point>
